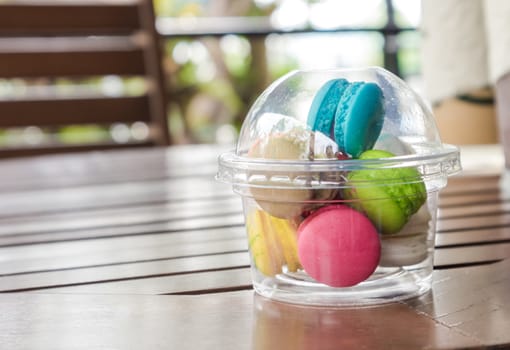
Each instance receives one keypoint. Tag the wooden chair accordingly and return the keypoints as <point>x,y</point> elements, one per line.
<point>51,39</point>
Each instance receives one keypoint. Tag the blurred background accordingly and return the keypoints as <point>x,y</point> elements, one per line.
<point>218,55</point>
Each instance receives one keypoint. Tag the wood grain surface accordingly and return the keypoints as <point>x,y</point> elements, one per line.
<point>99,247</point>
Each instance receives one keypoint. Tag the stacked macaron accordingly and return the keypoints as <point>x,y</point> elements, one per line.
<point>340,245</point>
<point>283,199</point>
<point>351,113</point>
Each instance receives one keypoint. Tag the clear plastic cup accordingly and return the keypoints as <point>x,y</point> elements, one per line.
<point>322,228</point>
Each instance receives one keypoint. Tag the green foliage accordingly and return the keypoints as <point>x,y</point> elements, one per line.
<point>409,56</point>
<point>82,134</point>
<point>237,69</point>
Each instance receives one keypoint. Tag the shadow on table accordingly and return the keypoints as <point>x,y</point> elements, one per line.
<point>396,326</point>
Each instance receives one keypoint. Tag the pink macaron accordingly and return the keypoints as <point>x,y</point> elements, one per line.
<point>338,246</point>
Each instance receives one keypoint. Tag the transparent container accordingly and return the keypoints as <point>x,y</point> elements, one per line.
<point>331,226</point>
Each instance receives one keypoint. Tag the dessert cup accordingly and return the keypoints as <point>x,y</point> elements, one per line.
<point>330,229</point>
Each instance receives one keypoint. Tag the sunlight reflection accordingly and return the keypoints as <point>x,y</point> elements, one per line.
<point>336,13</point>
<point>409,12</point>
<point>327,50</point>
<point>290,14</point>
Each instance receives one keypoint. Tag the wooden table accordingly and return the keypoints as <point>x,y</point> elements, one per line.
<point>142,249</point>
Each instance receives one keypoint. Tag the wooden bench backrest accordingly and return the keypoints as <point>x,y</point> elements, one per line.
<point>48,40</point>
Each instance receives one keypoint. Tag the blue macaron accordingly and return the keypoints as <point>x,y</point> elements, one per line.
<point>352,113</point>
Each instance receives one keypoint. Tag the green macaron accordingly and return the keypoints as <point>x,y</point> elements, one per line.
<point>387,196</point>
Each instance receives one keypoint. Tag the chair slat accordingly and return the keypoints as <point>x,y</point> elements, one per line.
<point>65,111</point>
<point>56,57</point>
<point>25,17</point>
<point>85,39</point>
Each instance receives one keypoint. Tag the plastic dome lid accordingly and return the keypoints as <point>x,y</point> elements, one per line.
<point>408,131</point>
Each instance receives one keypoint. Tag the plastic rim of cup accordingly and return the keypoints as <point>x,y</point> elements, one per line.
<point>241,172</point>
